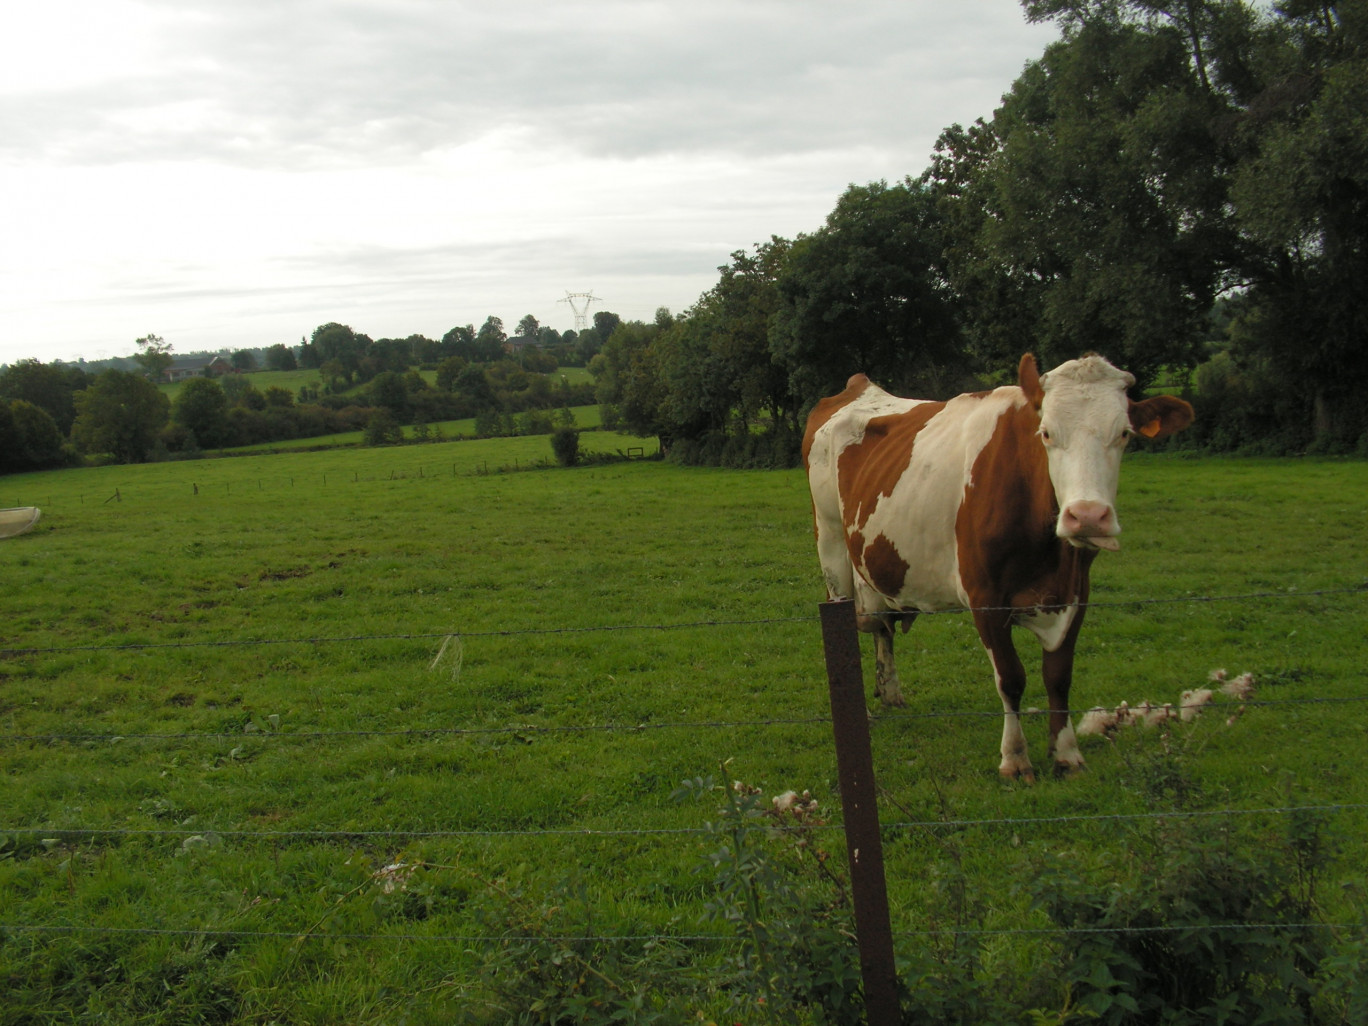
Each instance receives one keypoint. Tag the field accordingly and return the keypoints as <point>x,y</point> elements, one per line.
<point>321,737</point>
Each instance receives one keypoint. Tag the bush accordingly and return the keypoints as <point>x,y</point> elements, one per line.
<point>565,445</point>
<point>382,429</point>
<point>1153,943</point>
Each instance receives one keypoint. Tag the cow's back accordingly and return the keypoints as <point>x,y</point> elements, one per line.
<point>888,476</point>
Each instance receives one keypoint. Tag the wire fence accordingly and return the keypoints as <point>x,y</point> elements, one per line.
<point>51,835</point>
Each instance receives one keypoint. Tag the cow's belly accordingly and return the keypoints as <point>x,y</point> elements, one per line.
<point>921,536</point>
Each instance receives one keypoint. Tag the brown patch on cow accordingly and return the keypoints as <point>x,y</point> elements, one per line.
<point>885,568</point>
<point>870,469</point>
<point>1005,530</point>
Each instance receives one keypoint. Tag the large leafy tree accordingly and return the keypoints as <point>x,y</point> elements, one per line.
<point>280,357</point>
<point>201,406</point>
<point>50,386</point>
<point>121,414</point>
<point>627,379</point>
<point>339,345</point>
<point>1092,212</point>
<point>867,292</point>
<point>715,361</point>
<point>1301,197</point>
<point>33,439</point>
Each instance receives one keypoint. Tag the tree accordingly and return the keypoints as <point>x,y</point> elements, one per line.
<point>490,341</point>
<point>389,390</point>
<point>50,386</point>
<point>1301,198</point>
<point>459,341</point>
<point>868,292</point>
<point>528,328</point>
<point>1095,214</point>
<point>277,397</point>
<point>154,356</point>
<point>382,429</point>
<point>244,360</point>
<point>280,357</point>
<point>120,413</point>
<point>9,441</point>
<point>340,345</point>
<point>715,361</point>
<point>628,381</point>
<point>201,407</point>
<point>449,370</point>
<point>605,323</point>
<point>36,442</point>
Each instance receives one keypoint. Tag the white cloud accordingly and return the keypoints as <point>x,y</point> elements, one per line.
<point>235,172</point>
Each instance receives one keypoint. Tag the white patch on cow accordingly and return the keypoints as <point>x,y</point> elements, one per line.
<point>1050,628</point>
<point>1066,751</point>
<point>845,427</point>
<point>919,517</point>
<point>1084,422</point>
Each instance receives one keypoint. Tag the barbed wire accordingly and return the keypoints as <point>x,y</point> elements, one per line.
<point>62,833</point>
<point>1292,593</point>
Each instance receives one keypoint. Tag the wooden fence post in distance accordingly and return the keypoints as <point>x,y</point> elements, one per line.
<point>855,769</point>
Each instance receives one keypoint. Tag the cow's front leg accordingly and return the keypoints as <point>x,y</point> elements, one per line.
<point>996,635</point>
<point>1057,669</point>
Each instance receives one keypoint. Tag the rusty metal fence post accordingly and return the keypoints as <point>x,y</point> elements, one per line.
<point>855,769</point>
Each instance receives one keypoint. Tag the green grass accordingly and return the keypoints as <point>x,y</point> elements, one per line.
<point>604,620</point>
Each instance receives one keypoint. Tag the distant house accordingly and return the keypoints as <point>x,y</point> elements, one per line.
<point>199,367</point>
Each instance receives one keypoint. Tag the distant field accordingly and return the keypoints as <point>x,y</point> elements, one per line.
<point>303,737</point>
<point>585,417</point>
<point>296,379</point>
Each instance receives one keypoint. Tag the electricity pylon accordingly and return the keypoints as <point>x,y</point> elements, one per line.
<point>581,315</point>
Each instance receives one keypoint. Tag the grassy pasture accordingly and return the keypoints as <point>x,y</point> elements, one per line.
<point>239,660</point>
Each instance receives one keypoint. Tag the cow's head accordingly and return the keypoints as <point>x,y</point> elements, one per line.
<point>1086,420</point>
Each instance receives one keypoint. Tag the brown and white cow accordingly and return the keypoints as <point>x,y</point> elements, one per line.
<point>996,502</point>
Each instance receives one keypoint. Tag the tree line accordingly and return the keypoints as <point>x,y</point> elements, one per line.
<point>1182,187</point>
<point>60,414</point>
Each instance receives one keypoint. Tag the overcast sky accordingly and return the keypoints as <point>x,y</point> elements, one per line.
<point>233,173</point>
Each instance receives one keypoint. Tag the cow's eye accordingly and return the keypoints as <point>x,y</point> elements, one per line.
<point>1045,435</point>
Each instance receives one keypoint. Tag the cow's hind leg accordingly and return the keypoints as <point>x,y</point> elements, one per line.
<point>886,684</point>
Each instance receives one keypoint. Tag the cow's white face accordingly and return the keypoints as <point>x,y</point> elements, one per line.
<point>1085,425</point>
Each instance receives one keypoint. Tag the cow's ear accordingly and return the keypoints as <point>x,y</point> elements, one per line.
<point>1028,377</point>
<point>1160,416</point>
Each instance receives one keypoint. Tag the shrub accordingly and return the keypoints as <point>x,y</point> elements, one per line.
<point>1192,929</point>
<point>565,445</point>
<point>382,429</point>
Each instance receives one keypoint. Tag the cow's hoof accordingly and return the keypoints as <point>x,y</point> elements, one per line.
<point>1064,770</point>
<point>892,697</point>
<point>1026,774</point>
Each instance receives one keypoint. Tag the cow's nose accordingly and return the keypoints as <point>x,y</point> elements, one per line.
<point>1087,519</point>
